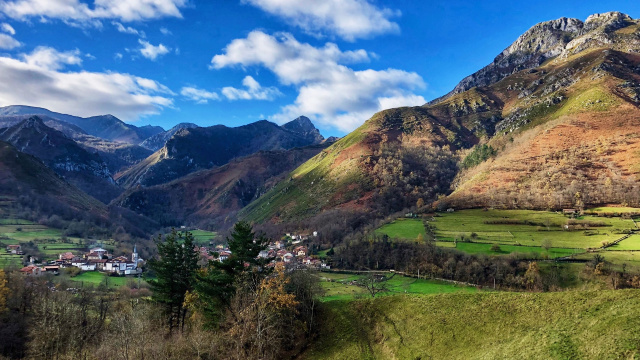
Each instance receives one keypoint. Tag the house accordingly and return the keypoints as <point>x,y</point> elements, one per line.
<point>98,254</point>
<point>300,251</point>
<point>31,270</point>
<point>288,257</point>
<point>224,255</point>
<point>263,254</point>
<point>99,264</point>
<point>325,266</point>
<point>315,234</point>
<point>84,266</point>
<point>569,211</point>
<point>67,256</point>
<point>54,269</point>
<point>14,249</point>
<point>450,210</point>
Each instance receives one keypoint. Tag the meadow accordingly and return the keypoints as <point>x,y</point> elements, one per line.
<point>96,278</point>
<point>203,237</point>
<point>403,229</point>
<point>482,325</point>
<point>339,286</point>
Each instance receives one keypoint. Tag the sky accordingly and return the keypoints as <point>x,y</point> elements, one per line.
<point>233,62</point>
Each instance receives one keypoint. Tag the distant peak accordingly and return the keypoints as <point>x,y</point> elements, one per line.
<point>300,124</point>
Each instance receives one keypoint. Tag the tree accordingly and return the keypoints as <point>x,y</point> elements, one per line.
<point>175,271</point>
<point>375,283</point>
<point>532,277</point>
<point>546,244</point>
<point>495,248</point>
<point>420,203</point>
<point>4,291</point>
<point>216,285</point>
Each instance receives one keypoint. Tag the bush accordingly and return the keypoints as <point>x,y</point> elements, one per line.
<point>495,248</point>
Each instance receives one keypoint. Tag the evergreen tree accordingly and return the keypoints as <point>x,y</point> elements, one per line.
<point>217,284</point>
<point>175,271</point>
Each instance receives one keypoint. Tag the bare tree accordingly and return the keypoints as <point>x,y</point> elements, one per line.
<point>376,283</point>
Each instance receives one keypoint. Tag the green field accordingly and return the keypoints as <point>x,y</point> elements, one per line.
<point>341,289</point>
<point>631,243</point>
<point>483,325</point>
<point>7,260</point>
<point>203,237</point>
<point>477,248</point>
<point>617,257</point>
<point>547,226</point>
<point>96,278</point>
<point>614,209</point>
<point>403,229</point>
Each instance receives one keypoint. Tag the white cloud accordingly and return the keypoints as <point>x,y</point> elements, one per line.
<point>8,43</point>
<point>252,91</point>
<point>8,29</point>
<point>77,11</point>
<point>198,95</point>
<point>152,52</point>
<point>83,93</point>
<point>118,56</point>
<point>348,19</point>
<point>52,59</point>
<point>330,92</point>
<point>128,29</point>
<point>165,31</point>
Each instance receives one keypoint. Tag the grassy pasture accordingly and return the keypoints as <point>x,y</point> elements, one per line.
<point>631,243</point>
<point>203,237</point>
<point>96,278</point>
<point>615,209</point>
<point>477,248</point>
<point>403,229</point>
<point>482,325</point>
<point>340,289</point>
<point>546,226</point>
<point>7,260</point>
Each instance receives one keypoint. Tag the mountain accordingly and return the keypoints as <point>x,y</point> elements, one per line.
<point>553,122</point>
<point>117,155</point>
<point>305,128</point>
<point>194,149</point>
<point>157,141</point>
<point>105,126</point>
<point>26,180</point>
<point>85,170</point>
<point>213,196</point>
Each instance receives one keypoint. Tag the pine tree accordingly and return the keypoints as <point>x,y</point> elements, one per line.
<point>175,271</point>
<point>216,285</point>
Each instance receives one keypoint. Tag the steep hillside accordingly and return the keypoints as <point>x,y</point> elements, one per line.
<point>557,108</point>
<point>63,155</point>
<point>194,149</point>
<point>105,126</point>
<point>561,325</point>
<point>25,179</point>
<point>214,196</point>
<point>157,141</point>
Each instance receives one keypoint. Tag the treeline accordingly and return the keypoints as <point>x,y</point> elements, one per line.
<point>239,308</point>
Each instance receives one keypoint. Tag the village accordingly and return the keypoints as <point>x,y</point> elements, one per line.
<point>290,252</point>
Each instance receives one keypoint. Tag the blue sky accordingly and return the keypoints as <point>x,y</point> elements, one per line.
<point>232,62</point>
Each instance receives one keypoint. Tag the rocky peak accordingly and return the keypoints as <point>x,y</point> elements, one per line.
<point>303,125</point>
<point>546,40</point>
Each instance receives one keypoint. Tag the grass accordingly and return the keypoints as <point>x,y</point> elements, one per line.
<point>96,278</point>
<point>463,223</point>
<point>631,243</point>
<point>483,325</point>
<point>615,209</point>
<point>7,260</point>
<point>403,229</point>
<point>203,237</point>
<point>476,248</point>
<point>339,288</point>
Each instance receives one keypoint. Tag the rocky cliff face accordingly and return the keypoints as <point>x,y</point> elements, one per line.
<point>157,141</point>
<point>557,38</point>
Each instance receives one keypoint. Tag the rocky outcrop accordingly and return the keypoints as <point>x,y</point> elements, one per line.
<point>557,38</point>
<point>156,142</point>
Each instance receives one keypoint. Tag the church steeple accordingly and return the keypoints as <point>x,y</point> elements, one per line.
<point>134,256</point>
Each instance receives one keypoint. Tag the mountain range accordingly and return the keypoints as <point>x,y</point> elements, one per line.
<point>551,122</point>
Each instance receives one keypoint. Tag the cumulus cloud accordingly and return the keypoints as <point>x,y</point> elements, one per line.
<point>127,29</point>
<point>198,95</point>
<point>86,93</point>
<point>8,29</point>
<point>252,91</point>
<point>328,91</point>
<point>77,11</point>
<point>165,31</point>
<point>152,52</point>
<point>49,58</point>
<point>8,43</point>
<point>348,19</point>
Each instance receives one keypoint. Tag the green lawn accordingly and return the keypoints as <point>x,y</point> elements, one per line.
<point>631,258</point>
<point>7,260</point>
<point>404,229</point>
<point>547,226</point>
<point>613,209</point>
<point>631,243</point>
<point>341,289</point>
<point>203,237</point>
<point>482,325</point>
<point>97,278</point>
<point>476,248</point>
